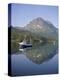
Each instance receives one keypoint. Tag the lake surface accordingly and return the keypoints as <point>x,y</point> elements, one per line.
<point>37,60</point>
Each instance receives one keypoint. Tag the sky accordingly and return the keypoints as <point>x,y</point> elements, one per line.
<point>22,14</point>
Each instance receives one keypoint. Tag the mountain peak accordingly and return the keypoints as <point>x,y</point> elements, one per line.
<point>39,18</point>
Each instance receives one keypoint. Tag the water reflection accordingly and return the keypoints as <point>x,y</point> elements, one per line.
<point>38,59</point>
<point>40,53</point>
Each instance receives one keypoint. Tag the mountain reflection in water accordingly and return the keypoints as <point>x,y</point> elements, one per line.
<point>35,60</point>
<point>40,53</point>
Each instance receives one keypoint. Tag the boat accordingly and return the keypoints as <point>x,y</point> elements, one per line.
<point>24,44</point>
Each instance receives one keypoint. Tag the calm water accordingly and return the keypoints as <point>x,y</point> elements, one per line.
<point>40,59</point>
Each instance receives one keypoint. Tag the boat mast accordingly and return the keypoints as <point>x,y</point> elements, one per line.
<point>30,40</point>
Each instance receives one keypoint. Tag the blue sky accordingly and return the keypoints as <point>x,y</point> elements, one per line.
<point>22,14</point>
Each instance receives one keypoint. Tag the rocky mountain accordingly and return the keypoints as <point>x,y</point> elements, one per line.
<point>43,28</point>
